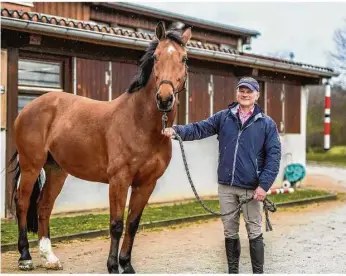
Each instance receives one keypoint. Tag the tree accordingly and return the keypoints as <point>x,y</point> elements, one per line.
<point>338,57</point>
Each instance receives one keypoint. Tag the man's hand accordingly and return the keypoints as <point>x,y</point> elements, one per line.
<point>169,132</point>
<point>260,194</point>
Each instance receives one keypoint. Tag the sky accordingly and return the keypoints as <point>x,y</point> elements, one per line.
<point>304,28</point>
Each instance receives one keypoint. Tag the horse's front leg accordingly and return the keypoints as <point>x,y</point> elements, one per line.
<point>139,197</point>
<point>118,187</point>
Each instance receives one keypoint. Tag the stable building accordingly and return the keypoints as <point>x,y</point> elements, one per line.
<point>92,49</point>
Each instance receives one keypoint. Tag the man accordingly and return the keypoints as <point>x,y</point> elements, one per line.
<point>249,161</point>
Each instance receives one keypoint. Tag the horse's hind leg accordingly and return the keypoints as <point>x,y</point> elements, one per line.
<point>139,197</point>
<point>25,198</point>
<point>55,179</point>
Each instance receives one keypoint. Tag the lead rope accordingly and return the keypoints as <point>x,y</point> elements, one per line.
<point>268,205</point>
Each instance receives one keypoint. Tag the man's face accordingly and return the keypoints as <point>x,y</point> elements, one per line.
<point>246,97</point>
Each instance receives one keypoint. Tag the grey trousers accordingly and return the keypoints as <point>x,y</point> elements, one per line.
<point>229,197</point>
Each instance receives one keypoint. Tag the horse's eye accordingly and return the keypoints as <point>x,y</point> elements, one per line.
<point>184,58</point>
<point>154,57</point>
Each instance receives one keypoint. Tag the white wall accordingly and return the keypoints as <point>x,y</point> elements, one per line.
<point>173,185</point>
<point>201,155</point>
<point>2,171</point>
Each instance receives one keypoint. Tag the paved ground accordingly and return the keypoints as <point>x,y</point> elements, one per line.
<point>329,178</point>
<point>308,239</point>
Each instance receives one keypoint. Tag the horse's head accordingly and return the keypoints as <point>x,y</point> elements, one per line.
<point>170,70</point>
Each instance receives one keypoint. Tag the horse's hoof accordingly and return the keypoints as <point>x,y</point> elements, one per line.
<point>129,270</point>
<point>53,266</point>
<point>113,270</point>
<point>25,265</point>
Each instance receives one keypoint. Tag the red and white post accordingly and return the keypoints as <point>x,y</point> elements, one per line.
<point>327,117</point>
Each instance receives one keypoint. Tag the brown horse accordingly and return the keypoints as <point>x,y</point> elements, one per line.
<point>118,143</point>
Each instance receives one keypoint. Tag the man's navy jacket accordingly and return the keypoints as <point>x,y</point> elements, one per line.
<point>249,154</point>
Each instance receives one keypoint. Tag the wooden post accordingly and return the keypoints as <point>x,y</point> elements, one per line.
<point>12,110</point>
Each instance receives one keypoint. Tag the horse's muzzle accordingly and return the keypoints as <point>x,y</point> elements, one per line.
<point>164,105</point>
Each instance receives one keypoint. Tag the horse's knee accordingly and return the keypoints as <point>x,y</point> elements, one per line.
<point>44,212</point>
<point>117,227</point>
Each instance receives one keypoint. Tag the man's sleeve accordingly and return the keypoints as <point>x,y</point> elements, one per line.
<point>272,149</point>
<point>199,130</point>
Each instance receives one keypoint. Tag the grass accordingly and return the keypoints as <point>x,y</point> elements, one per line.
<point>74,224</point>
<point>335,156</point>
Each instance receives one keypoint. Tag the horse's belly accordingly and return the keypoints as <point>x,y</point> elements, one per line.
<point>86,161</point>
<point>91,172</point>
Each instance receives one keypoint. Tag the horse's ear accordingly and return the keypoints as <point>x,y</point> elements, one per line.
<point>160,31</point>
<point>186,35</point>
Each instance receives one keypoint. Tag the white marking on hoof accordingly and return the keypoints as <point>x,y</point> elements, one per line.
<point>49,259</point>
<point>26,265</point>
<point>53,266</point>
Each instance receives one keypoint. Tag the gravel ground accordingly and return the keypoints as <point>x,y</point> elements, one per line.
<point>309,239</point>
<point>305,240</point>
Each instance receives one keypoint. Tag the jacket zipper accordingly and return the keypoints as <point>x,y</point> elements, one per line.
<point>236,149</point>
<point>235,155</point>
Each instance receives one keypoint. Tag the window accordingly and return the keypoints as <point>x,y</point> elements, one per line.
<point>23,100</point>
<point>34,73</point>
<point>36,77</point>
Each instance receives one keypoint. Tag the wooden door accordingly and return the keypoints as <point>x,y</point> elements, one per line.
<point>224,91</point>
<point>199,99</point>
<point>274,103</point>
<point>122,75</point>
<point>93,79</point>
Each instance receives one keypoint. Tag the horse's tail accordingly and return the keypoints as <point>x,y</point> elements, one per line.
<point>32,215</point>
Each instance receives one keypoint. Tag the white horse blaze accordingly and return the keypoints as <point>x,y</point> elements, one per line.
<point>171,49</point>
<point>46,252</point>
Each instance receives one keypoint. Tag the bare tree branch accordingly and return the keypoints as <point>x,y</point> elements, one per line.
<point>337,59</point>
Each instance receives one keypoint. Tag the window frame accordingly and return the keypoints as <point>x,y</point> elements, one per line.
<point>37,89</point>
<point>65,73</point>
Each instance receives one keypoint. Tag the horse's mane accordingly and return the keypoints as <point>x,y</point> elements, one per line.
<point>147,62</point>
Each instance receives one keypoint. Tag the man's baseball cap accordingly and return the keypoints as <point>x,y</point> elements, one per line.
<point>250,83</point>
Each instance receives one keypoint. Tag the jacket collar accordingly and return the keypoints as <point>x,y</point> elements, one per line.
<point>257,113</point>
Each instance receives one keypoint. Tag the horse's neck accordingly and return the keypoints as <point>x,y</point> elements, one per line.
<point>145,109</point>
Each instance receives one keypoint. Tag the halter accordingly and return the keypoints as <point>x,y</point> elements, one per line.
<point>175,91</point>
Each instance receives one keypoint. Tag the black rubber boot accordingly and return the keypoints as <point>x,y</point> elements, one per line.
<point>257,254</point>
<point>233,254</point>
